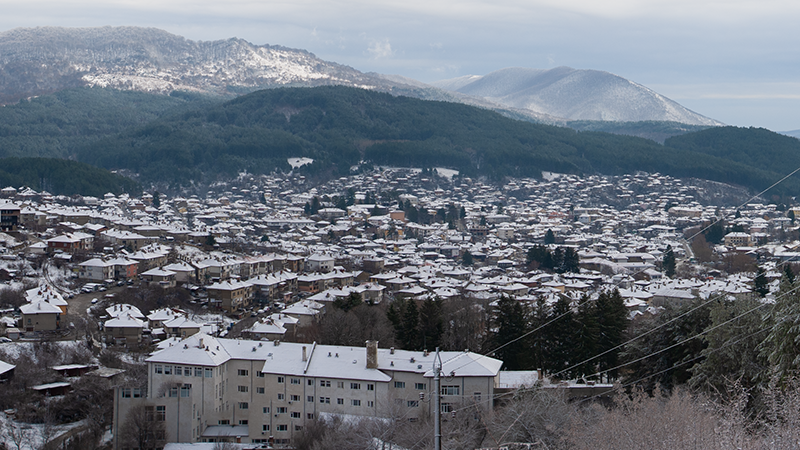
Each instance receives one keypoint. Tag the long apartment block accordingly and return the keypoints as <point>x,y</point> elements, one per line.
<point>208,389</point>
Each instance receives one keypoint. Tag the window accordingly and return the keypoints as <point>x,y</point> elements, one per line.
<point>126,392</point>
<point>295,380</point>
<point>260,374</point>
<point>243,405</point>
<point>324,383</point>
<point>161,413</point>
<point>420,386</point>
<point>298,427</point>
<point>259,390</point>
<point>340,384</point>
<point>326,400</point>
<point>173,392</point>
<point>412,403</point>
<point>209,373</point>
<point>243,388</point>
<point>187,371</point>
<point>281,396</point>
<point>399,384</point>
<point>447,407</point>
<point>243,422</point>
<point>370,387</point>
<point>167,370</point>
<point>355,402</point>
<point>158,368</point>
<point>198,371</point>
<point>264,427</point>
<point>310,416</point>
<point>340,401</point>
<point>310,382</point>
<point>243,372</point>
<point>476,396</point>
<point>295,415</point>
<point>355,385</point>
<point>280,379</point>
<point>224,422</point>
<point>451,390</point>
<point>370,404</point>
<point>137,393</point>
<point>185,390</point>
<point>178,370</point>
<point>282,428</point>
<point>294,398</point>
<point>280,410</point>
<point>265,409</point>
<point>310,399</point>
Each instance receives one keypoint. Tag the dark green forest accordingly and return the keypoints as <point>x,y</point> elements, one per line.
<point>186,138</point>
<point>62,177</point>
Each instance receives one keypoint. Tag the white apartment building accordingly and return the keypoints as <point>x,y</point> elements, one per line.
<point>209,389</point>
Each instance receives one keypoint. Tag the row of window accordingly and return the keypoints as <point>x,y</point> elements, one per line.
<point>183,371</point>
<point>259,389</point>
<point>417,386</point>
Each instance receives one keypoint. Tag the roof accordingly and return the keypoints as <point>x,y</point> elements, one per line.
<point>6,367</point>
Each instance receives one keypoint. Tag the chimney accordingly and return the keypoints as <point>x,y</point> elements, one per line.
<point>201,342</point>
<point>372,354</point>
<point>305,357</point>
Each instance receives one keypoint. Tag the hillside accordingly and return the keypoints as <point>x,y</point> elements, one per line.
<point>57,125</point>
<point>575,95</point>
<point>340,126</point>
<point>62,177</point>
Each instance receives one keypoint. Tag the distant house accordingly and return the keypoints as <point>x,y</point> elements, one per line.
<point>160,277</point>
<point>40,316</point>
<point>124,330</point>
<point>319,263</point>
<point>6,371</point>
<point>231,295</point>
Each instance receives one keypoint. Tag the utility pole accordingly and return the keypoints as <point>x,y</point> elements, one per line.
<point>437,393</point>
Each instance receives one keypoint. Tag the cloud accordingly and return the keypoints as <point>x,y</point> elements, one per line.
<point>380,49</point>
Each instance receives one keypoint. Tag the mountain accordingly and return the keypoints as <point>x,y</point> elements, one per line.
<point>63,177</point>
<point>339,127</point>
<point>793,133</point>
<point>575,95</point>
<point>36,61</point>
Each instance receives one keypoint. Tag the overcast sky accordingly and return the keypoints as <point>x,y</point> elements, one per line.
<point>736,61</point>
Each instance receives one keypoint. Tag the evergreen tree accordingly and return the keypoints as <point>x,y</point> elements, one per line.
<point>347,303</point>
<point>782,346</point>
<point>511,323</point>
<point>733,349</point>
<point>668,262</point>
<point>571,261</point>
<point>410,338</point>
<point>612,317</point>
<point>560,339</point>
<point>788,273</point>
<point>430,323</point>
<point>466,258</point>
<point>549,237</point>
<point>156,200</point>
<point>761,284</point>
<point>586,338</point>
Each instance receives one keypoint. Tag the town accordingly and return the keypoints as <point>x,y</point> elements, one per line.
<point>270,302</point>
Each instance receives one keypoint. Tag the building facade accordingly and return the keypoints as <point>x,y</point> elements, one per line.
<point>224,390</point>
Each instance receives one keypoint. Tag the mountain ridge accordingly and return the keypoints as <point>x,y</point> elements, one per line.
<point>575,94</point>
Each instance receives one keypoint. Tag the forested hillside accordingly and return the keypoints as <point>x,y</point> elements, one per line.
<point>62,177</point>
<point>187,138</point>
<point>340,126</point>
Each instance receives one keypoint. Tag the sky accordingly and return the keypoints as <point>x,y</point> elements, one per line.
<point>736,61</point>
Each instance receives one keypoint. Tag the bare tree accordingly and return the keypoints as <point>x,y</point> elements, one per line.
<point>17,434</point>
<point>142,429</point>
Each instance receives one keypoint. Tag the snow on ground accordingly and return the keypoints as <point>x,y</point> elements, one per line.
<point>31,433</point>
<point>12,350</point>
<point>299,162</point>
<point>447,173</point>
